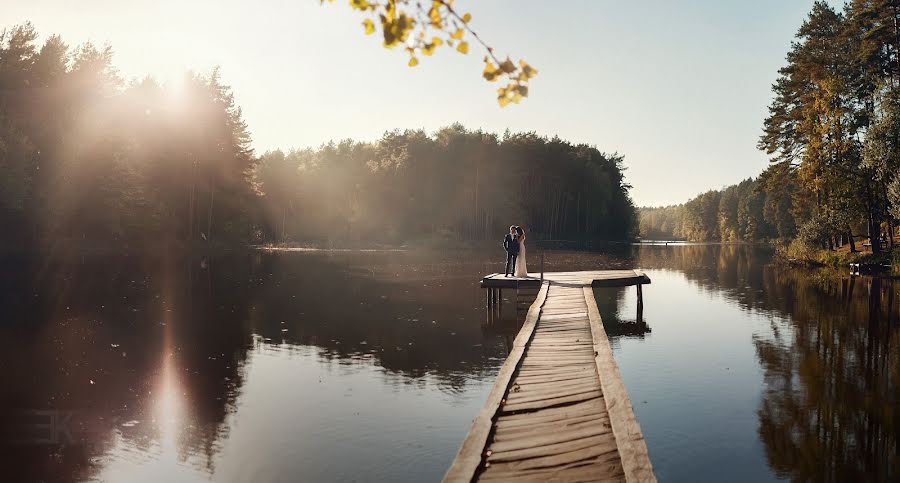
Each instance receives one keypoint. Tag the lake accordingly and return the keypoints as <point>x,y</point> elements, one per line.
<point>370,365</point>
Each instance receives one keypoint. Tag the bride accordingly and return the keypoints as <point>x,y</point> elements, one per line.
<point>521,268</point>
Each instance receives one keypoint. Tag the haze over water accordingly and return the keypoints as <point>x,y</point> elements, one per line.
<point>317,366</point>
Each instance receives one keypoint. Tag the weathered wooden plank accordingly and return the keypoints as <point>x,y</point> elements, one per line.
<point>524,385</point>
<point>554,378</point>
<point>547,403</point>
<point>563,453</point>
<point>551,330</point>
<point>551,444</point>
<point>550,356</point>
<point>549,371</point>
<point>630,440</point>
<point>570,421</point>
<point>564,431</point>
<point>548,342</point>
<point>560,349</point>
<point>562,365</point>
<point>469,457</point>
<point>576,472</point>
<point>593,406</point>
<point>528,395</point>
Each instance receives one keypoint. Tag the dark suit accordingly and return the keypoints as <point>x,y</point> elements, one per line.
<point>511,245</point>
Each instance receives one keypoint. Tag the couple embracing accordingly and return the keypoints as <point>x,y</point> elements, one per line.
<point>514,244</point>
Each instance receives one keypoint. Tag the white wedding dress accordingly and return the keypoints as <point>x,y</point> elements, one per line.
<point>521,267</point>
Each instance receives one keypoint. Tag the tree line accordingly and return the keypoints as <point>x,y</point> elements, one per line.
<point>455,183</point>
<point>749,211</point>
<point>833,134</point>
<point>86,155</point>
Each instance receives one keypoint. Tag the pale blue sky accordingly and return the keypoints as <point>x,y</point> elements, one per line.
<point>679,88</point>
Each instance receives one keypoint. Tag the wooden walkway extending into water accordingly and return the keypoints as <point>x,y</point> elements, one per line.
<point>558,410</point>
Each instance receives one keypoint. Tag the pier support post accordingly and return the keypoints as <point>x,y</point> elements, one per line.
<point>640,303</point>
<point>542,265</point>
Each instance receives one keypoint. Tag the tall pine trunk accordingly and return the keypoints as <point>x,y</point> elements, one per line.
<point>209,213</point>
<point>850,239</point>
<point>874,233</point>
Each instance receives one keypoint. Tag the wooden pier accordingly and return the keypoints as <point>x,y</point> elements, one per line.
<point>558,410</point>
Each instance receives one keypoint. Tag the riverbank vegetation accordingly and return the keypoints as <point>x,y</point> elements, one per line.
<point>88,158</point>
<point>833,134</point>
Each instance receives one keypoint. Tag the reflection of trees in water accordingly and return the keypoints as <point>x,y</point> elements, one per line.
<point>120,321</point>
<point>415,319</point>
<point>829,412</point>
<point>94,336</point>
<point>734,271</point>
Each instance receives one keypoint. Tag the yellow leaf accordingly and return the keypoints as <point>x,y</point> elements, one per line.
<point>360,4</point>
<point>467,18</point>
<point>435,14</point>
<point>490,72</point>
<point>463,47</point>
<point>507,66</point>
<point>370,27</point>
<point>413,61</point>
<point>527,71</point>
<point>436,41</point>
<point>458,34</point>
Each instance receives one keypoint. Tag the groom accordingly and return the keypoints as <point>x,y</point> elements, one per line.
<point>511,245</point>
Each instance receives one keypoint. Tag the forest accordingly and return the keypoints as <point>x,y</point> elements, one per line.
<point>88,157</point>
<point>741,212</point>
<point>833,137</point>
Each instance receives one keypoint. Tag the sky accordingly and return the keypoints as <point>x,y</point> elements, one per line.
<point>679,88</point>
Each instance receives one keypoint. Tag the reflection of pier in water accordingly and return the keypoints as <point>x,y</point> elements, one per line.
<point>558,409</point>
<point>509,298</point>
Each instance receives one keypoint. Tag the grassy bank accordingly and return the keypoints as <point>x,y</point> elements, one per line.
<point>840,257</point>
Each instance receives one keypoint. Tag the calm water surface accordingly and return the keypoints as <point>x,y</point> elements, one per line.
<point>369,366</point>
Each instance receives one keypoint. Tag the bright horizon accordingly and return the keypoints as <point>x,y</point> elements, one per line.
<point>680,90</point>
